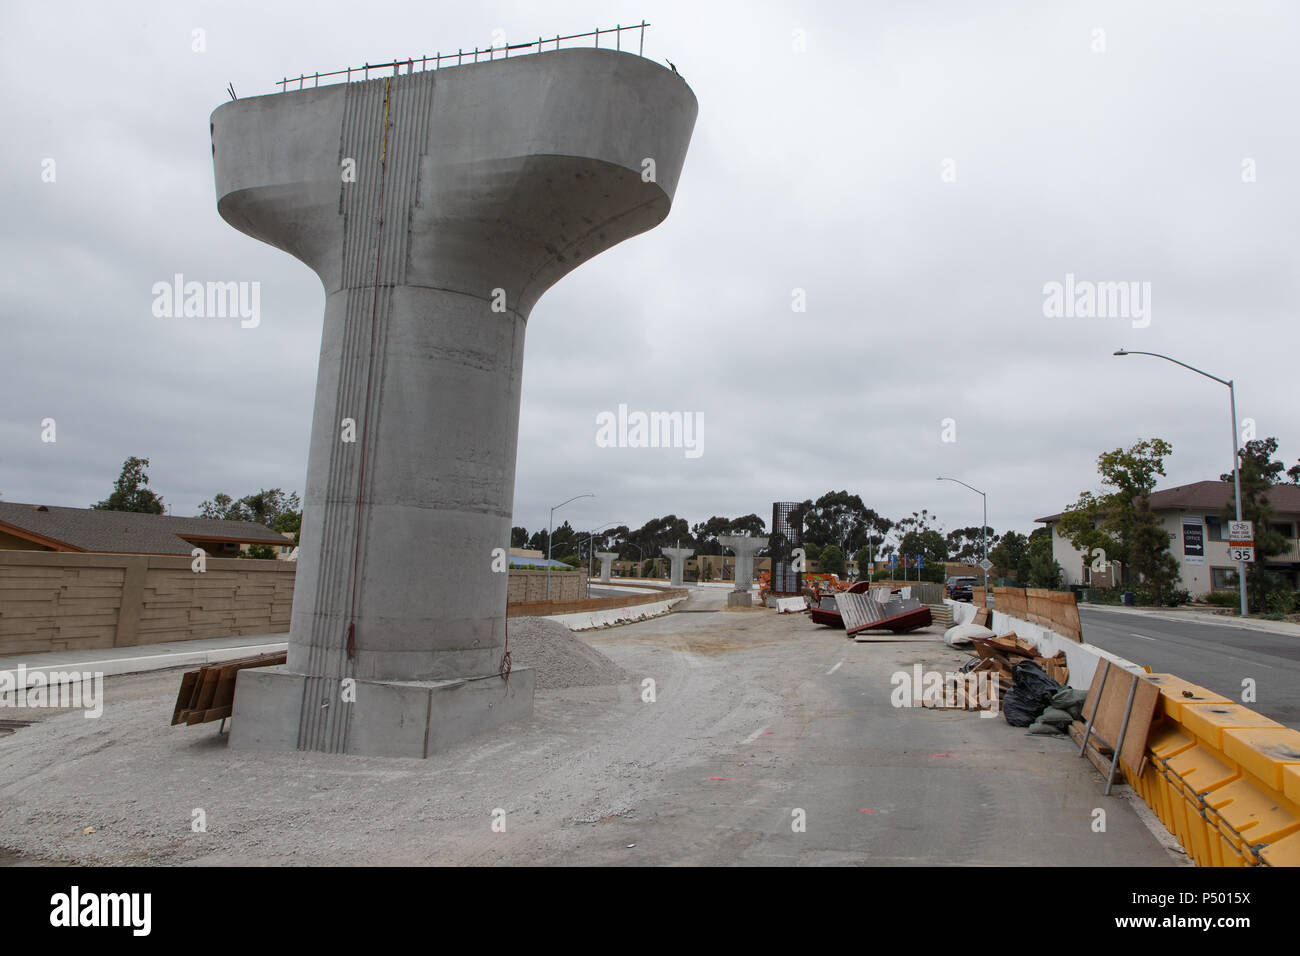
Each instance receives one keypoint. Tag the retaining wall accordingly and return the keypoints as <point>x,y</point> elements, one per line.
<point>53,601</point>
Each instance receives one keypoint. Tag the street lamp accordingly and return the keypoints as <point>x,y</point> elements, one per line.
<point>984,531</point>
<point>550,533</point>
<point>1236,461</point>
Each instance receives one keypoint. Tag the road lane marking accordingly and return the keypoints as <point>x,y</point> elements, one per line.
<point>1143,636</point>
<point>835,668</point>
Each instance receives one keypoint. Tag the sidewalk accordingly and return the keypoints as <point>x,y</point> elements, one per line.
<point>148,657</point>
<point>1202,617</point>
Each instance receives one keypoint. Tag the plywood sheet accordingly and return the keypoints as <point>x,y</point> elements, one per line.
<point>1110,701</point>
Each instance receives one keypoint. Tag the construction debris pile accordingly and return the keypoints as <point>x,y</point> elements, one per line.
<point>995,667</point>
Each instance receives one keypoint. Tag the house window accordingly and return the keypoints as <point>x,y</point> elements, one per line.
<point>1284,528</point>
<point>1214,528</point>
<point>1223,579</point>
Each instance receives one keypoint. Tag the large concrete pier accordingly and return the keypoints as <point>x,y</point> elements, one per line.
<point>436,208</point>
<point>744,546</point>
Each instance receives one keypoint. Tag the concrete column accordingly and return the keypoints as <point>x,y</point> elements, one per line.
<point>436,208</point>
<point>677,563</point>
<point>744,546</point>
<point>606,562</point>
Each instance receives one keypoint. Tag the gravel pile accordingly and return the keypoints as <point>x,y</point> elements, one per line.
<point>560,658</point>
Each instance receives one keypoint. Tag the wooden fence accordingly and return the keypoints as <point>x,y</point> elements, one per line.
<point>1052,609</point>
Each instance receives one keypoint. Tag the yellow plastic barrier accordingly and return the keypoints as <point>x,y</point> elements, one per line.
<point>1291,783</point>
<point>1285,852</point>
<point>1222,778</point>
<point>1265,751</point>
<point>1165,740</point>
<point>1194,772</point>
<point>1209,721</point>
<point>1246,816</point>
<point>1175,692</point>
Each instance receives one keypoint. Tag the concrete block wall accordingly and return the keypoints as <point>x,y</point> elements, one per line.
<point>531,586</point>
<point>52,601</point>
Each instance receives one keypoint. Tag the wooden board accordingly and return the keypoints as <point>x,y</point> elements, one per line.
<point>209,692</point>
<point>1109,704</point>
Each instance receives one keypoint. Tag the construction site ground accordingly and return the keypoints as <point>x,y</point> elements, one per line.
<point>760,723</point>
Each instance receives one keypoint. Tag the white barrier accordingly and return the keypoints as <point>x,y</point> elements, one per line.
<point>1082,659</point>
<point>587,620</point>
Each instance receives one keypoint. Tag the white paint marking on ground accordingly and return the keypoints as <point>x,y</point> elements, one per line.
<point>754,736</point>
<point>835,668</point>
<point>1143,636</point>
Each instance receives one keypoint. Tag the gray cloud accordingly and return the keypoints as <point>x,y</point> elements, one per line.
<point>819,170</point>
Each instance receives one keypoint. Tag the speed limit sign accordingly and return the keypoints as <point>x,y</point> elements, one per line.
<point>1242,554</point>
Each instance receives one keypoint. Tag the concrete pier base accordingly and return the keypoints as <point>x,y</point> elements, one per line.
<point>676,563</point>
<point>740,599</point>
<point>436,207</point>
<point>606,564</point>
<point>744,545</point>
<point>386,719</point>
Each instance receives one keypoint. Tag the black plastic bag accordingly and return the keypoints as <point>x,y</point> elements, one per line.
<point>1031,692</point>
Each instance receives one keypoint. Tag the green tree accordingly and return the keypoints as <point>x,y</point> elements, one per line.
<point>750,524</point>
<point>840,518</point>
<point>519,537</point>
<point>967,544</point>
<point>271,508</point>
<point>1259,473</point>
<point>1037,567</point>
<point>262,551</point>
<point>1011,549</point>
<point>863,558</point>
<point>1120,521</point>
<point>565,541</point>
<point>832,560</point>
<point>930,544</point>
<point>812,550</point>
<point>130,491</point>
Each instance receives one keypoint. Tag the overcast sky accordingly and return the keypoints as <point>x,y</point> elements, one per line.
<point>1114,156</point>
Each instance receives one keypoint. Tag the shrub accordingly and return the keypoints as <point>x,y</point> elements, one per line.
<point>1282,602</point>
<point>1106,595</point>
<point>1223,599</point>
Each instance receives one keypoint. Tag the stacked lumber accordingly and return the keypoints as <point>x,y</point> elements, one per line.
<point>976,688</point>
<point>1008,650</point>
<point>209,692</point>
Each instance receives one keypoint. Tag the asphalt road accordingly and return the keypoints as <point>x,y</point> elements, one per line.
<point>1218,656</point>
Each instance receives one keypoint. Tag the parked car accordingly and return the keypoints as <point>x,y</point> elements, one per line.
<point>962,588</point>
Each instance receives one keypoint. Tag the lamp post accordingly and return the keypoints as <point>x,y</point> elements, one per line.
<point>984,529</point>
<point>550,533</point>
<point>1236,460</point>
